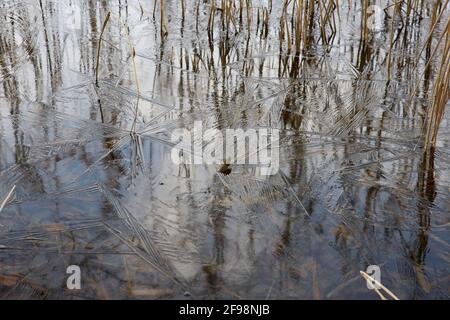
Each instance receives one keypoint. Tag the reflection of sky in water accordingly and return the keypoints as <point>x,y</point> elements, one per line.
<point>352,189</point>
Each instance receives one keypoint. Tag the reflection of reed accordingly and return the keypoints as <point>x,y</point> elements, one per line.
<point>426,186</point>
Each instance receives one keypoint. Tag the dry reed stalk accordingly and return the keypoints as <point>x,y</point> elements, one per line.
<point>298,29</point>
<point>322,22</point>
<point>258,20</point>
<point>163,28</point>
<point>309,21</point>
<point>283,23</point>
<point>210,28</point>
<point>266,23</point>
<point>307,26</point>
<point>99,46</point>
<point>6,199</point>
<point>430,59</point>
<point>197,13</point>
<point>328,14</point>
<point>382,297</point>
<point>391,39</point>
<point>248,5</point>
<point>288,38</point>
<point>441,94</point>
<point>97,64</point>
<point>241,8</point>
<point>365,22</point>
<point>369,278</point>
<point>433,27</point>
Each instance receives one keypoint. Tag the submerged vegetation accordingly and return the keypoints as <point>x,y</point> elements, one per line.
<point>358,89</point>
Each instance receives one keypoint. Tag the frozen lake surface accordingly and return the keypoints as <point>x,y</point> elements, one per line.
<point>353,188</point>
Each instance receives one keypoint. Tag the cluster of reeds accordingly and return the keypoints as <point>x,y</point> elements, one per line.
<point>297,28</point>
<point>405,12</point>
<point>304,24</point>
<point>298,22</point>
<point>441,93</point>
<point>262,21</point>
<point>239,15</point>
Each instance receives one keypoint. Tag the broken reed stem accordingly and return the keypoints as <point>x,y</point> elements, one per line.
<point>389,292</point>
<point>99,46</point>
<point>8,196</point>
<point>382,297</point>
